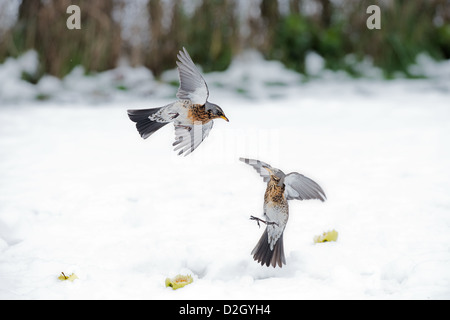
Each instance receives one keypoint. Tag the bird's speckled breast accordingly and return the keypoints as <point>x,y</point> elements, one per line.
<point>198,113</point>
<point>274,195</point>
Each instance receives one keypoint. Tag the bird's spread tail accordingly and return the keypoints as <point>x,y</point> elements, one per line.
<point>144,125</point>
<point>264,255</point>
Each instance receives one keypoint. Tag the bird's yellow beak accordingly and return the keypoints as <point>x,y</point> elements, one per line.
<point>225,118</point>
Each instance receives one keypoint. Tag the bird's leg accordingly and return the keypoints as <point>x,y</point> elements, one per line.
<point>188,128</point>
<point>258,220</point>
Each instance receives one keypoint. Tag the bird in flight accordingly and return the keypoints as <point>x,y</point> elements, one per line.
<point>280,188</point>
<point>192,115</point>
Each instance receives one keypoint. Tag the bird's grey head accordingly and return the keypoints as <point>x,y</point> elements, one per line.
<point>215,111</point>
<point>276,174</point>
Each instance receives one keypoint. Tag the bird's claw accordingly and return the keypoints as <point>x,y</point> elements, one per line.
<point>258,220</point>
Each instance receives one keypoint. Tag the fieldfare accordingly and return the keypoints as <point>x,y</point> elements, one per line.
<point>192,115</point>
<point>280,188</point>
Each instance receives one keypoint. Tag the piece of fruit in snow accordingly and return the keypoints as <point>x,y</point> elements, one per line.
<point>63,277</point>
<point>179,281</point>
<point>326,236</point>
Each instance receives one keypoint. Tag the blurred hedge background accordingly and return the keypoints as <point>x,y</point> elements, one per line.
<point>150,32</point>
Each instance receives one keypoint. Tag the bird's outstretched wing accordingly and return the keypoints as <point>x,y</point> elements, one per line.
<point>192,85</point>
<point>189,137</point>
<point>259,167</point>
<point>299,187</point>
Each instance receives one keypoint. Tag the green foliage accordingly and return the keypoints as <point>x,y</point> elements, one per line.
<point>443,40</point>
<point>209,35</point>
<point>216,31</point>
<point>297,35</point>
<point>331,45</point>
<point>294,39</point>
<point>407,30</point>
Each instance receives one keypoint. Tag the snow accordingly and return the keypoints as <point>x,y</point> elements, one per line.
<point>81,192</point>
<point>11,71</point>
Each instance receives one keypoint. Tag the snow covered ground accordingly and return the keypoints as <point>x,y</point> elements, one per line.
<point>81,192</point>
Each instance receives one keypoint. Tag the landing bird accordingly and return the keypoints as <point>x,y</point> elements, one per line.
<point>280,188</point>
<point>192,115</point>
